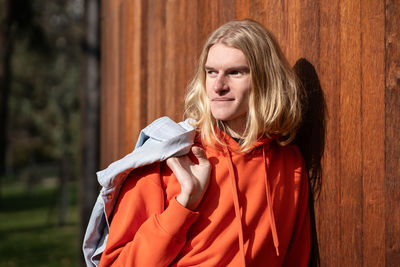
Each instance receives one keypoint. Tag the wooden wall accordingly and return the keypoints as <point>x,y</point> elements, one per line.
<point>149,51</point>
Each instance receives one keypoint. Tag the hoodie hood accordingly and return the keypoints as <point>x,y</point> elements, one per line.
<point>232,144</point>
<point>231,149</point>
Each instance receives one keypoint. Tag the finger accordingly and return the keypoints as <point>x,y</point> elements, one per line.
<point>176,163</point>
<point>173,163</point>
<point>170,161</point>
<point>200,154</point>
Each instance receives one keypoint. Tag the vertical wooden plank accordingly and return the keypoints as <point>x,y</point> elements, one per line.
<point>109,83</point>
<point>292,41</point>
<point>154,32</point>
<point>105,31</point>
<point>350,135</point>
<point>174,65</point>
<point>172,59</point>
<point>208,19</point>
<point>114,94</point>
<point>242,8</point>
<point>161,87</point>
<point>373,132</point>
<point>307,46</point>
<point>327,206</point>
<point>392,126</point>
<point>193,41</point>
<point>309,31</point>
<point>189,39</point>
<point>122,75</point>
<point>214,13</point>
<point>134,52</point>
<point>271,15</point>
<point>282,19</point>
<point>227,11</point>
<point>149,18</point>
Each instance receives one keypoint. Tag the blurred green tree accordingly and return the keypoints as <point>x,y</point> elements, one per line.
<point>5,75</point>
<point>41,96</point>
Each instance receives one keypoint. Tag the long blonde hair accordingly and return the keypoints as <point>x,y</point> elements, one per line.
<point>275,97</point>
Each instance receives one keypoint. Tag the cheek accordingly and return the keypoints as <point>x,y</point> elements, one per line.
<point>208,86</point>
<point>244,105</point>
<point>244,97</point>
<point>245,89</point>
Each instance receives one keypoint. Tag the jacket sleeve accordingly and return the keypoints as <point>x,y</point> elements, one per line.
<point>141,232</point>
<point>298,252</point>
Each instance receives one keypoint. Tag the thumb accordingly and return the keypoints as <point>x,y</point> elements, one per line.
<point>200,154</point>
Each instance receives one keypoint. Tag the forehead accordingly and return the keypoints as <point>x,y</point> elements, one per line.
<point>221,55</point>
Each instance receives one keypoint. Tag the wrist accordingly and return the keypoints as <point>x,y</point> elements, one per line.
<point>187,201</point>
<point>183,199</point>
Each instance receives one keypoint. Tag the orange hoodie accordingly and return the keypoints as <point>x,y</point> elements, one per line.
<point>254,213</point>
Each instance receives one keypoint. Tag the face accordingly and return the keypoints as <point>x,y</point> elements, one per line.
<point>228,85</point>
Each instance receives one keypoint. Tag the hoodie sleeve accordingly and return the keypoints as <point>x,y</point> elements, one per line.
<point>298,252</point>
<point>141,232</point>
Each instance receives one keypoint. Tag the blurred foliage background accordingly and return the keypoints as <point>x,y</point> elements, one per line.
<point>41,77</point>
<point>43,120</point>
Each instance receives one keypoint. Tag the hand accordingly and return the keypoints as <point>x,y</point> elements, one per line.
<point>193,178</point>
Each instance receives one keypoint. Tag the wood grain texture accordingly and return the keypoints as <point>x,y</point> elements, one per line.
<point>122,78</point>
<point>149,55</point>
<point>373,131</point>
<point>392,127</point>
<point>109,82</point>
<point>350,134</point>
<point>327,206</point>
<point>137,77</point>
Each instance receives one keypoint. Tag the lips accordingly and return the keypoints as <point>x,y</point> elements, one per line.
<point>222,99</point>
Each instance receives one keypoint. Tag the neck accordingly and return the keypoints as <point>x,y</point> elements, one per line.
<point>236,127</point>
<point>234,132</point>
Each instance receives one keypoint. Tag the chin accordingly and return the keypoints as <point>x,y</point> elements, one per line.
<point>221,117</point>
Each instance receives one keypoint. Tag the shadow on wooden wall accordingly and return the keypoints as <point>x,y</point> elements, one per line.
<point>311,140</point>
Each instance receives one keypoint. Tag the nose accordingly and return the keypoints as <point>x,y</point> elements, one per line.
<point>220,84</point>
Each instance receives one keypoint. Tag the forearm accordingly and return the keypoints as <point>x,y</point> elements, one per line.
<point>156,243</point>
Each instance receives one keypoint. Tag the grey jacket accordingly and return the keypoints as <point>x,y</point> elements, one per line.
<point>160,140</point>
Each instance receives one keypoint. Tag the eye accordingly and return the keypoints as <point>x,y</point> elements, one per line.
<point>211,72</point>
<point>236,72</point>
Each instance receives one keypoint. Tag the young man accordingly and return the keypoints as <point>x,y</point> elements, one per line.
<point>240,197</point>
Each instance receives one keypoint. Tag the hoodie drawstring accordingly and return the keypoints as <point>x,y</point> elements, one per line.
<point>236,204</point>
<point>275,239</point>
<point>270,204</point>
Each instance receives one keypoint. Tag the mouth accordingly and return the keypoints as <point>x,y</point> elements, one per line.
<point>222,99</point>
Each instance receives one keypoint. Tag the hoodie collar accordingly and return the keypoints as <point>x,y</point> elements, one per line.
<point>234,146</point>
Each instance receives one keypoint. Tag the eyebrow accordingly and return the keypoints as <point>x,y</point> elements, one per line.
<point>242,68</point>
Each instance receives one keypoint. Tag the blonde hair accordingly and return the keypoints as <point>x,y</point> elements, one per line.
<point>275,96</point>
